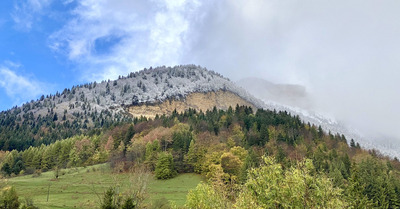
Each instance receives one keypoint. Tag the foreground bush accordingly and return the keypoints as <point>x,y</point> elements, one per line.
<point>270,186</point>
<point>9,199</point>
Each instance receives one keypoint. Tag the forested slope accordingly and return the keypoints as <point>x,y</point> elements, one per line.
<point>262,159</point>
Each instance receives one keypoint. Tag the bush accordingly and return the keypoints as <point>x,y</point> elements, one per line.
<point>129,203</point>
<point>113,200</point>
<point>29,170</point>
<point>9,199</point>
<point>165,168</point>
<point>205,196</point>
<point>28,204</point>
<point>110,200</point>
<point>271,186</point>
<point>37,173</point>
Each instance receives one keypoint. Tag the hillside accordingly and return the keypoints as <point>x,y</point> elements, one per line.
<point>97,105</point>
<point>78,187</point>
<point>262,159</point>
<point>146,86</point>
<point>295,100</point>
<point>186,119</point>
<point>150,92</point>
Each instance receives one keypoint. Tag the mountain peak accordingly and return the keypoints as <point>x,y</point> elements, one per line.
<point>94,105</point>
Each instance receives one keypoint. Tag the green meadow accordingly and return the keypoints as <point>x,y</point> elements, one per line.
<point>84,187</point>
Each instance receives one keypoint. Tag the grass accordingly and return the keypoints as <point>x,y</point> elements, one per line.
<point>174,189</point>
<point>82,187</point>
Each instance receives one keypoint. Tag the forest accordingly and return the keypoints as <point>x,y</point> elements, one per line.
<point>250,159</point>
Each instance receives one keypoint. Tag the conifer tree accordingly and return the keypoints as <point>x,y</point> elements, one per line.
<point>165,168</point>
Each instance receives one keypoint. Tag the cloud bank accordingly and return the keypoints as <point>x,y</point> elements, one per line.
<point>344,52</point>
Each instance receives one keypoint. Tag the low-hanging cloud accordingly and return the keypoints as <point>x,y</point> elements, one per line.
<point>344,52</point>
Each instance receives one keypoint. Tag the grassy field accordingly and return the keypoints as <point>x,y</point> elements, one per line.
<point>82,187</point>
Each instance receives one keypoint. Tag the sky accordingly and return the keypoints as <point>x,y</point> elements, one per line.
<point>346,53</point>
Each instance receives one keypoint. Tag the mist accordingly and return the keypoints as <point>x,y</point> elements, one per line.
<point>345,53</point>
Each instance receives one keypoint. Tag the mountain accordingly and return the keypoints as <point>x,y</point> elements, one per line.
<point>165,121</point>
<point>96,105</point>
<point>151,92</point>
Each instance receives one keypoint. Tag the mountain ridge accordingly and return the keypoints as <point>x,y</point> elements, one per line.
<point>145,86</point>
<point>95,105</point>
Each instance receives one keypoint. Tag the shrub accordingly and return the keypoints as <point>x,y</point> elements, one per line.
<point>37,173</point>
<point>110,199</point>
<point>28,204</point>
<point>9,199</point>
<point>205,197</point>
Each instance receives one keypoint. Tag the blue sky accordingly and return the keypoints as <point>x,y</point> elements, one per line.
<point>346,53</point>
<point>51,45</point>
<point>28,66</point>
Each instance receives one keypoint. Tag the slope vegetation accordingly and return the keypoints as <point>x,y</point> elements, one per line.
<point>263,159</point>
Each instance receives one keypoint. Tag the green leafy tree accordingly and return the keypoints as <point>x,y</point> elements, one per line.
<point>355,196</point>
<point>129,134</point>
<point>181,137</point>
<point>231,164</point>
<point>206,197</point>
<point>195,157</point>
<point>237,135</point>
<point>165,168</point>
<point>240,152</point>
<point>269,186</point>
<point>151,156</point>
<point>6,169</point>
<point>371,178</point>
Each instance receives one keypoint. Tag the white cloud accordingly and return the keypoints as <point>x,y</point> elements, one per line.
<point>26,12</point>
<point>345,52</point>
<point>19,88</point>
<point>142,33</point>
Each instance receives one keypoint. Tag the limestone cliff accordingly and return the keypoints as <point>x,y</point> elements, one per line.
<point>199,101</point>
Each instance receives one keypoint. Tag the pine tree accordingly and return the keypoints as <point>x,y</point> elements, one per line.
<point>352,143</point>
